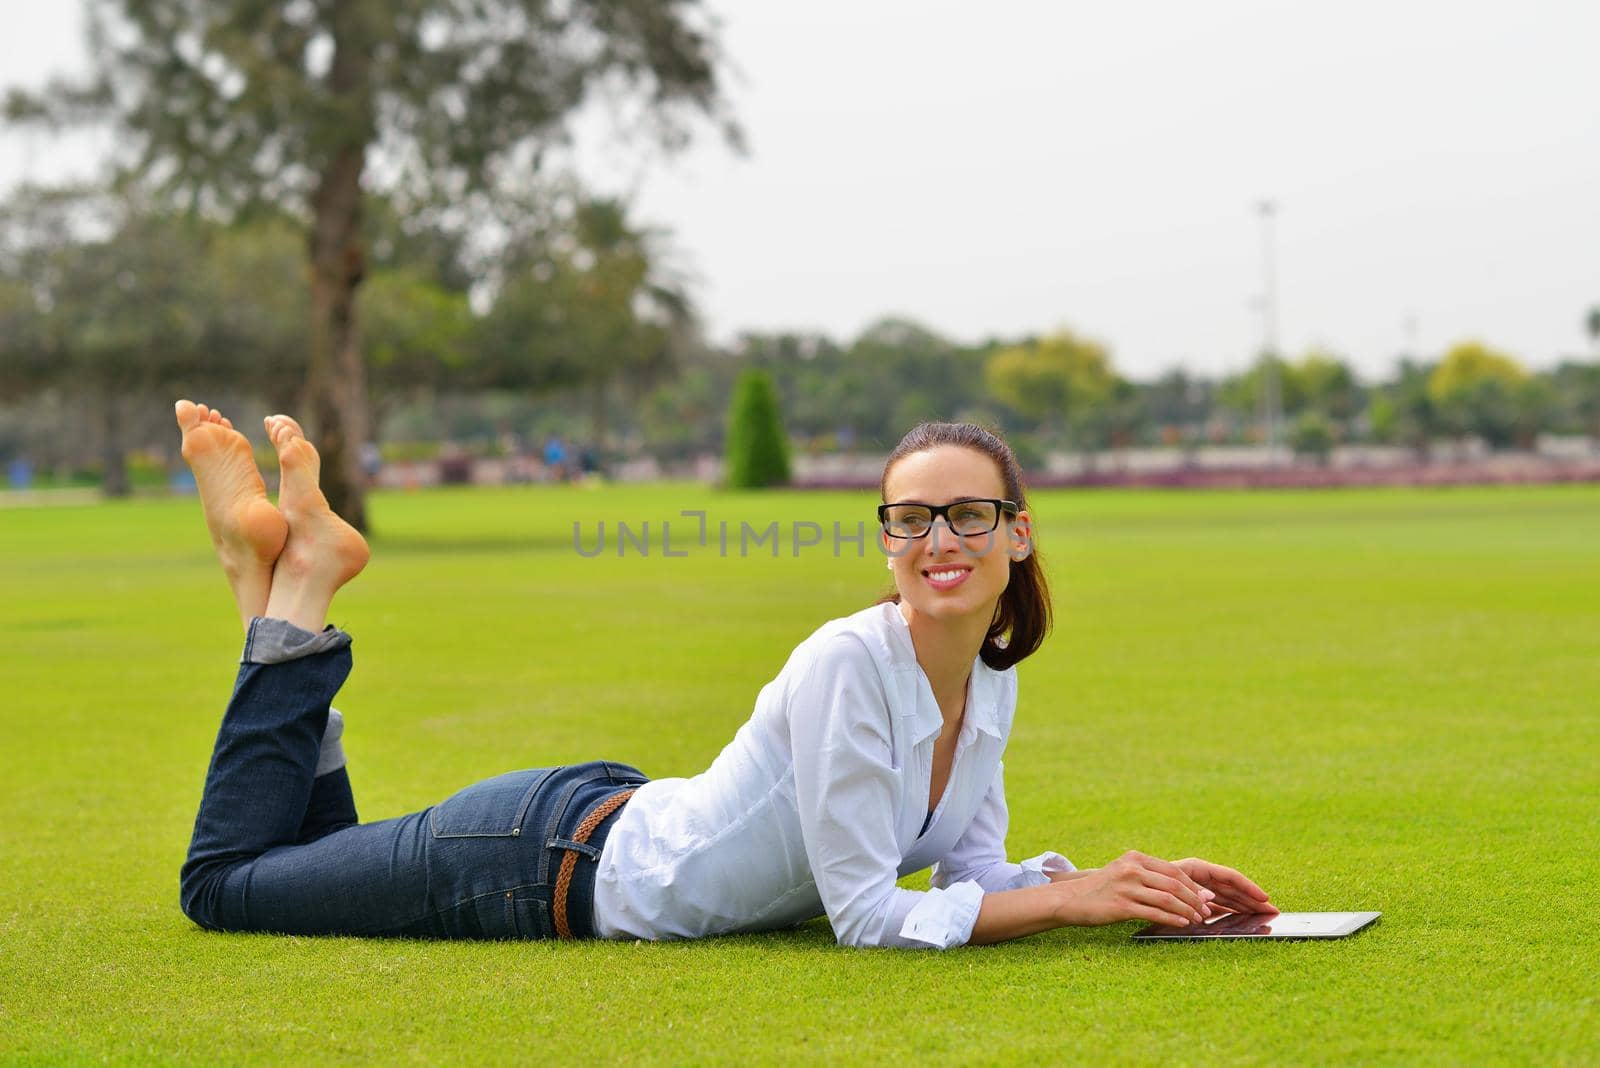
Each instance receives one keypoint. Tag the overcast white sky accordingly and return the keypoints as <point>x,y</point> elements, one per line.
<point>1010,167</point>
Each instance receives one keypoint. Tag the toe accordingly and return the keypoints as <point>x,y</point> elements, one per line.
<point>285,428</point>
<point>188,414</point>
<point>227,423</point>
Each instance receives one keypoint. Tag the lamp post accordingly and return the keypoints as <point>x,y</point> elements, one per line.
<point>1271,400</point>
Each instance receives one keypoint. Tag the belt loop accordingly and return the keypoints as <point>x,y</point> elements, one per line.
<point>580,837</point>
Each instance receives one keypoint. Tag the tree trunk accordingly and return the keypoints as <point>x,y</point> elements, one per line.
<point>113,453</point>
<point>336,387</point>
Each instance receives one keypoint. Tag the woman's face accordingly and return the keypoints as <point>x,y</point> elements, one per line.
<point>942,575</point>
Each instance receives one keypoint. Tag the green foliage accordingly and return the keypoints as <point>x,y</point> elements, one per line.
<point>1479,390</point>
<point>1312,435</point>
<point>758,449</point>
<point>261,331</point>
<point>1063,383</point>
<point>1468,364</point>
<point>1576,387</point>
<point>1178,405</point>
<point>586,297</point>
<point>1401,412</point>
<point>1326,384</point>
<point>237,103</point>
<point>1319,381</point>
<point>418,333</point>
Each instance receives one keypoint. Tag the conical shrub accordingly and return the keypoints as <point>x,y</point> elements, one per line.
<point>757,448</point>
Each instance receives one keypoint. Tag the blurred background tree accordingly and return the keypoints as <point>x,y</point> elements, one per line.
<point>1060,382</point>
<point>114,314</point>
<point>1402,413</point>
<point>236,104</point>
<point>1312,435</point>
<point>758,446</point>
<point>587,300</point>
<point>1479,390</point>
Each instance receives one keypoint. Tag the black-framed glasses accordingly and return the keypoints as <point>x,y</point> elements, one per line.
<point>912,519</point>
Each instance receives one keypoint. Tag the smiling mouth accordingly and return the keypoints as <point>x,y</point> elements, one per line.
<point>944,578</point>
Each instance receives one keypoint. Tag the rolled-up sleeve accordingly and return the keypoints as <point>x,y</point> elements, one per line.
<point>846,787</point>
<point>979,855</point>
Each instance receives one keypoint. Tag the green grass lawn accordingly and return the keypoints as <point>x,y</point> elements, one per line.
<point>1363,699</point>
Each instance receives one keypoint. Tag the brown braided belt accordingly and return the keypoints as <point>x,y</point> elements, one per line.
<point>570,861</point>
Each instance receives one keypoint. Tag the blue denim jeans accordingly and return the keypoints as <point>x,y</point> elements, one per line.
<point>278,848</point>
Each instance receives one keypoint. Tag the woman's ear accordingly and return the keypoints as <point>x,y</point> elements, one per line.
<point>1021,532</point>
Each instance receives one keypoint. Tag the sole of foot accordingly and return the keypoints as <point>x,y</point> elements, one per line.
<point>248,532</point>
<point>323,551</point>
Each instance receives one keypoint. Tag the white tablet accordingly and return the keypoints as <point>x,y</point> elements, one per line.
<point>1266,925</point>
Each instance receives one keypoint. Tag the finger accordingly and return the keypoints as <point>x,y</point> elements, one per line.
<point>1166,901</point>
<point>1177,889</point>
<point>1172,871</point>
<point>1233,904</point>
<point>1157,915</point>
<point>1220,877</point>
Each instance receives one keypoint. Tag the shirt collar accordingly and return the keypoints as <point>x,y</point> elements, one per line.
<point>980,714</point>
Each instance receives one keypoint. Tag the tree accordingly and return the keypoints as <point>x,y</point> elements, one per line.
<point>757,447</point>
<point>1402,412</point>
<point>1312,435</point>
<point>587,301</point>
<point>1177,404</point>
<point>1578,387</point>
<point>258,325</point>
<point>1326,384</point>
<point>237,103</point>
<point>1241,393</point>
<point>1058,380</point>
<point>418,334</point>
<point>1478,390</point>
<point>111,315</point>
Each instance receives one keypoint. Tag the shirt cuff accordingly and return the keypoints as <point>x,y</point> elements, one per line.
<point>1034,869</point>
<point>945,917</point>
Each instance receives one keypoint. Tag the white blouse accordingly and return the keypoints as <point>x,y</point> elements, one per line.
<point>815,807</point>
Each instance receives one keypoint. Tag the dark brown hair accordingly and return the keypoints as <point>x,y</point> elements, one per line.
<point>1024,608</point>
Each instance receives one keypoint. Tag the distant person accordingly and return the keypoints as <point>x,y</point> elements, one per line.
<point>874,753</point>
<point>371,461</point>
<point>555,456</point>
<point>19,473</point>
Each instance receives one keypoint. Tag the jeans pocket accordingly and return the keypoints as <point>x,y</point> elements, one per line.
<point>530,914</point>
<point>493,808</point>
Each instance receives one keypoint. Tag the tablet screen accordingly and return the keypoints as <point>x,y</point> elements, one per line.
<point>1268,925</point>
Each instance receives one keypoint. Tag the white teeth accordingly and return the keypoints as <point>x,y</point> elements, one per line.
<point>945,576</point>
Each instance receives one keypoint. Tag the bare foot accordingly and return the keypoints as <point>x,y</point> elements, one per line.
<point>323,551</point>
<point>246,529</point>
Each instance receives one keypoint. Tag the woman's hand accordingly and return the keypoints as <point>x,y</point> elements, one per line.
<point>1233,891</point>
<point>1135,887</point>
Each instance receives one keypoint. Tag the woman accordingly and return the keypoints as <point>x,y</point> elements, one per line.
<point>874,753</point>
